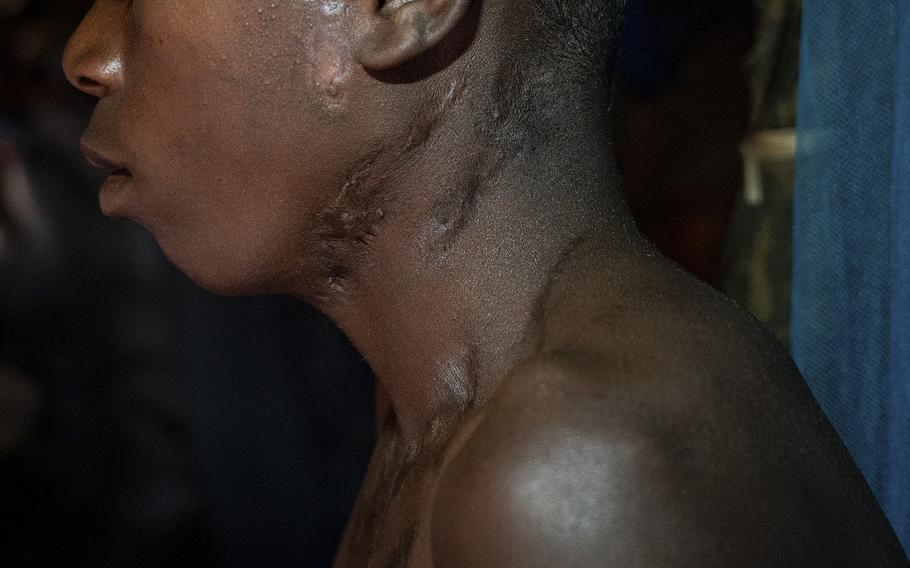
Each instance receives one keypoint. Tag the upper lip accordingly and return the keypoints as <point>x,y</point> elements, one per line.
<point>101,161</point>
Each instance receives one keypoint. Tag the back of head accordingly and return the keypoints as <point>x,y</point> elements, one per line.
<point>579,35</point>
<point>560,65</point>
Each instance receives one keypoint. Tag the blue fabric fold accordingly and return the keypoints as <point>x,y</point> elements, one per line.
<point>851,290</point>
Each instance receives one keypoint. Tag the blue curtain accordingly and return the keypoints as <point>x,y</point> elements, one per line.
<point>851,298</point>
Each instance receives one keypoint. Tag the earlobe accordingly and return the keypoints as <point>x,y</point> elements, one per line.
<point>390,34</point>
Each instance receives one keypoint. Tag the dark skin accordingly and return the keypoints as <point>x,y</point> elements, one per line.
<point>552,391</point>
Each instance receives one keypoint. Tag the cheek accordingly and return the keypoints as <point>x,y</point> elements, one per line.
<point>236,142</point>
<point>229,87</point>
<point>329,59</point>
<point>206,109</point>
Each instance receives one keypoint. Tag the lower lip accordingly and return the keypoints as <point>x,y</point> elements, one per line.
<point>112,196</point>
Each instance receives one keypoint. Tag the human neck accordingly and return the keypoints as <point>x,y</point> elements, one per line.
<point>444,304</point>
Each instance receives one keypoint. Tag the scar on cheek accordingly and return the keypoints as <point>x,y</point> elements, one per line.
<point>330,61</point>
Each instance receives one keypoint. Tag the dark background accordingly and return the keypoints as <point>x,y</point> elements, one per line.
<point>145,422</point>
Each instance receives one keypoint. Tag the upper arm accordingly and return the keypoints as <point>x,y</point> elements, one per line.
<point>544,482</point>
<point>556,509</point>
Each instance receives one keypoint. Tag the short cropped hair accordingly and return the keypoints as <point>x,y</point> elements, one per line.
<point>568,49</point>
<point>583,34</point>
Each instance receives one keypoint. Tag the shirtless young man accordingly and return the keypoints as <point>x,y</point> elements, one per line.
<point>436,176</point>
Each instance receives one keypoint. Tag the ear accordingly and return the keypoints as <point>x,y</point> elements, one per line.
<point>391,32</point>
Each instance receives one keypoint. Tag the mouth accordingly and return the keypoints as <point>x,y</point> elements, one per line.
<point>99,160</point>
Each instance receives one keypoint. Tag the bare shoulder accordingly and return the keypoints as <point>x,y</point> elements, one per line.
<point>581,461</point>
<point>544,479</point>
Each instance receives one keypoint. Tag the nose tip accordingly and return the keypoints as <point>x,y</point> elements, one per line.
<point>86,84</point>
<point>95,78</point>
<point>93,59</point>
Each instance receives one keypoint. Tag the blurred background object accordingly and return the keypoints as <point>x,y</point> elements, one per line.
<point>757,267</point>
<point>682,113</point>
<point>18,405</point>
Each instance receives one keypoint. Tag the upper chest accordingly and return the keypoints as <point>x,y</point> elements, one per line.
<point>391,522</point>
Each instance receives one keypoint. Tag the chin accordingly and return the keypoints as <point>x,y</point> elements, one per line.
<point>218,281</point>
<point>223,284</point>
<point>221,273</point>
